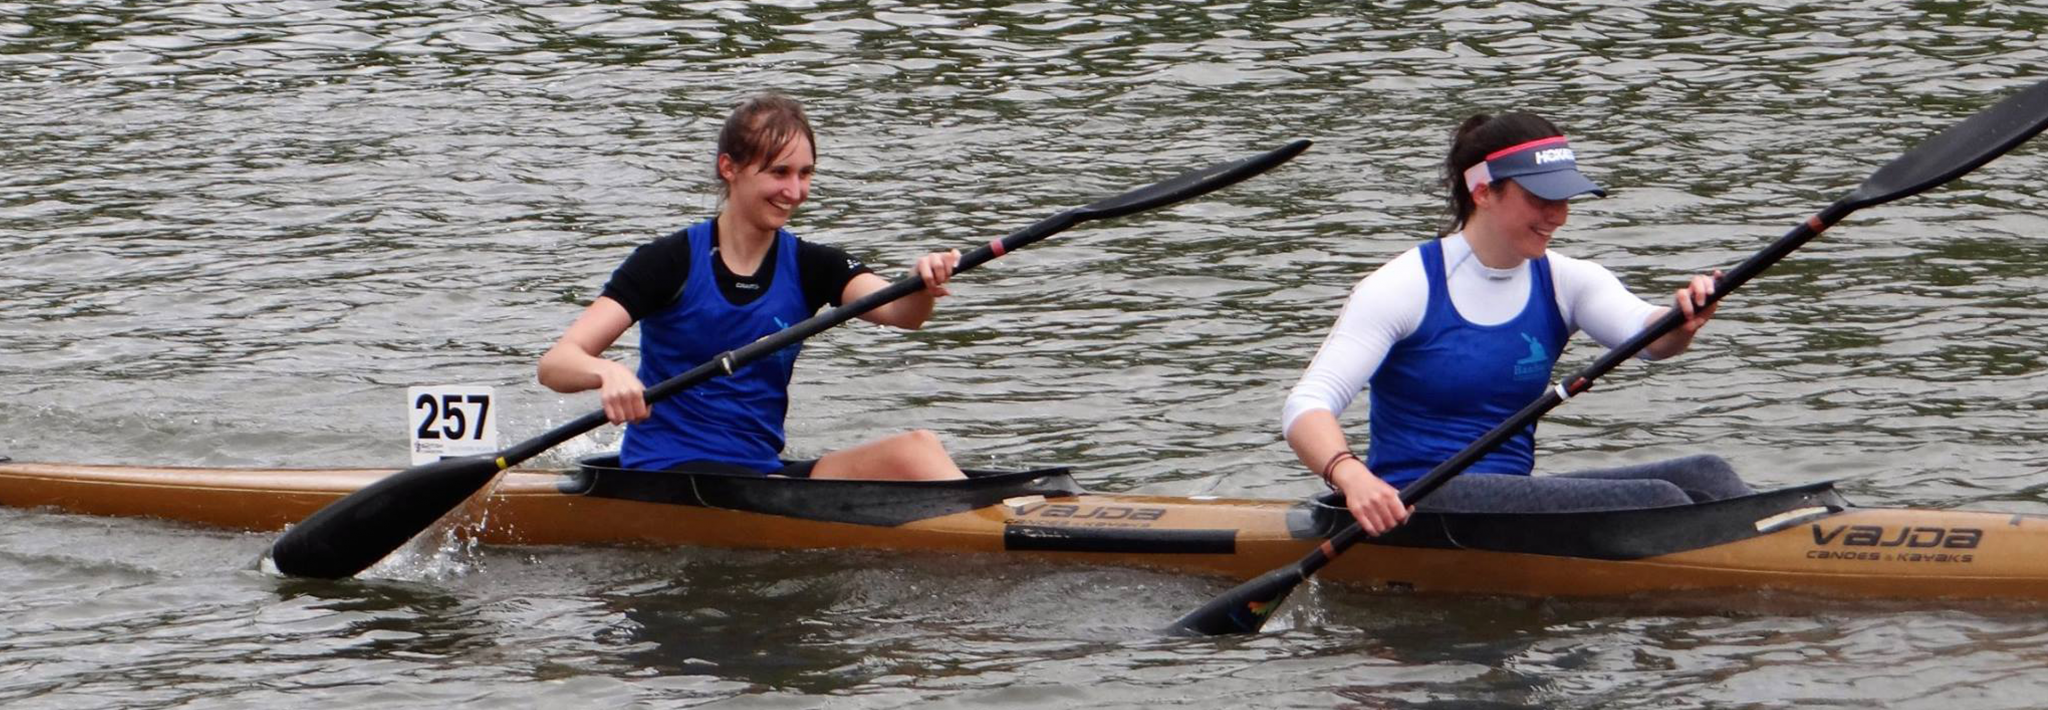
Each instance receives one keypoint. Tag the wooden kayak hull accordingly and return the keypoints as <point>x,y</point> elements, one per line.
<point>1803,539</point>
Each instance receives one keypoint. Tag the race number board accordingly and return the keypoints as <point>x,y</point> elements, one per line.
<point>451,420</point>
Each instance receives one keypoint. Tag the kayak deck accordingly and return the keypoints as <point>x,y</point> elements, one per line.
<point>1804,538</point>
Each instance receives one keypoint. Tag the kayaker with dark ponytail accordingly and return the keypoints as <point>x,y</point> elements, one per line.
<point>721,284</point>
<point>1456,335</point>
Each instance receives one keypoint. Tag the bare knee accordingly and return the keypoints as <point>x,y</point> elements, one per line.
<point>921,439</point>
<point>924,457</point>
<point>912,455</point>
<point>911,449</point>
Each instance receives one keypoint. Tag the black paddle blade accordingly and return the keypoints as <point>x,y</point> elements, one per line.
<point>351,534</point>
<point>1962,148</point>
<point>1192,184</point>
<point>1242,610</point>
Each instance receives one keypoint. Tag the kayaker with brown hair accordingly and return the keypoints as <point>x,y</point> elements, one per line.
<point>1456,335</point>
<point>723,283</point>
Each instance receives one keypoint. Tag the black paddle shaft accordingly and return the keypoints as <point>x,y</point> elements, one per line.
<point>350,534</point>
<point>1951,154</point>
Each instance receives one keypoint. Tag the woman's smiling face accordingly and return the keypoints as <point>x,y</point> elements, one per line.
<point>1519,219</point>
<point>765,195</point>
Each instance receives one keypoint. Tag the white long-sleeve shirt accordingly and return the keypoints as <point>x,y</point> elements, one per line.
<point>1388,305</point>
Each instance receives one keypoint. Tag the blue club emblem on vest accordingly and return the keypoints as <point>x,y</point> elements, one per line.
<point>1536,365</point>
<point>787,355</point>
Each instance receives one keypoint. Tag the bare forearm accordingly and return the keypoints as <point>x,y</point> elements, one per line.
<point>1692,303</point>
<point>565,368</point>
<point>1316,437</point>
<point>909,312</point>
<point>576,362</point>
<point>1319,442</point>
<point>1672,344</point>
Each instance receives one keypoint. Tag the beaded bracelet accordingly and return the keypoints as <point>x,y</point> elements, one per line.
<point>1330,468</point>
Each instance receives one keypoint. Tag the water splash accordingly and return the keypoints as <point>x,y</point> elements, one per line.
<point>451,549</point>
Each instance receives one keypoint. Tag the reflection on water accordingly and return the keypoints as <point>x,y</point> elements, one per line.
<point>232,233</point>
<point>732,622</point>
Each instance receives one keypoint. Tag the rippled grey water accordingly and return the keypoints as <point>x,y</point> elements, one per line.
<point>232,233</point>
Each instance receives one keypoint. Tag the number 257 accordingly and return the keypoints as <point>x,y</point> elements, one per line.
<point>453,417</point>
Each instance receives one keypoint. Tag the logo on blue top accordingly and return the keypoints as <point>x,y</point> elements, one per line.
<point>787,355</point>
<point>1536,365</point>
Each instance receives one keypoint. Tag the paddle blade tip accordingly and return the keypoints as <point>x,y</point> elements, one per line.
<point>1189,185</point>
<point>359,529</point>
<point>1962,148</point>
<point>1242,610</point>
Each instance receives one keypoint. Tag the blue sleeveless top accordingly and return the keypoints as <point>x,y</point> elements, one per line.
<point>733,418</point>
<point>1451,381</point>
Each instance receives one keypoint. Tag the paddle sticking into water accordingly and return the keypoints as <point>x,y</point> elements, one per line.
<point>1951,154</point>
<point>352,533</point>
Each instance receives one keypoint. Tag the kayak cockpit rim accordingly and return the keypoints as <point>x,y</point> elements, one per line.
<point>883,503</point>
<point>1626,534</point>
